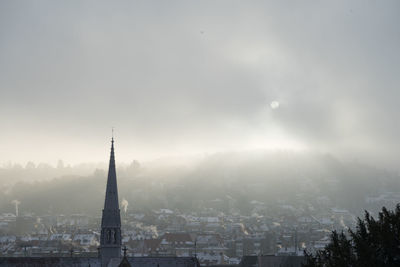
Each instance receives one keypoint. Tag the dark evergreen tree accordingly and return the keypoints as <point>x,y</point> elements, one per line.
<point>375,242</point>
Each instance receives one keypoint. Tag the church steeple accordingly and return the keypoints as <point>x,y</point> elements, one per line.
<point>111,201</point>
<point>110,240</point>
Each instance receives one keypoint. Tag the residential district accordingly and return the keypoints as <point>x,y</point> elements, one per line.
<point>211,236</point>
<point>271,236</point>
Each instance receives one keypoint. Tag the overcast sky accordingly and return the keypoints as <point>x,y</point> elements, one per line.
<point>185,77</point>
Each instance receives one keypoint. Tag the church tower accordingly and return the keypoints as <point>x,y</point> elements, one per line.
<point>110,239</point>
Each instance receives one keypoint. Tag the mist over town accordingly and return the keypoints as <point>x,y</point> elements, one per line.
<point>212,133</point>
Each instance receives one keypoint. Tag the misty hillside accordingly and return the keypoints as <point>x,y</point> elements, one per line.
<point>226,182</point>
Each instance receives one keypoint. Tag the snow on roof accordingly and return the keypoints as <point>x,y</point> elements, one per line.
<point>337,210</point>
<point>7,238</point>
<point>166,211</point>
<point>210,219</point>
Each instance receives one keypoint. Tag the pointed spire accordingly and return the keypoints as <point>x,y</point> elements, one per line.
<point>111,201</point>
<point>110,240</point>
<point>112,157</point>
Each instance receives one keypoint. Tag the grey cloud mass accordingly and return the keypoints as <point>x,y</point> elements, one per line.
<point>179,78</point>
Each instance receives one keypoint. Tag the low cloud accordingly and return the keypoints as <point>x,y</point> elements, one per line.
<point>178,79</point>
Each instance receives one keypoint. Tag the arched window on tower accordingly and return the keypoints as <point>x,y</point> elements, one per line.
<point>109,236</point>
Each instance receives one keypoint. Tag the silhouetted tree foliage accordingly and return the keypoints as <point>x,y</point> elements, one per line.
<point>375,242</point>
